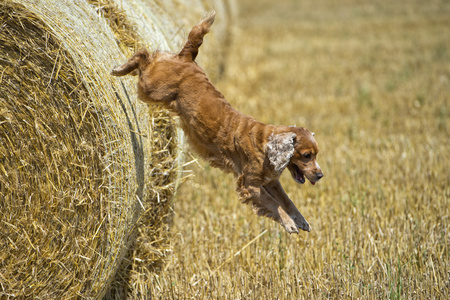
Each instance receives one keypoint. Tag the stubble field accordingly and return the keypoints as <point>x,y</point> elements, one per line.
<point>372,80</point>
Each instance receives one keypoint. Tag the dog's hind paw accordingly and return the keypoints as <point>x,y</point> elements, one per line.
<point>116,71</point>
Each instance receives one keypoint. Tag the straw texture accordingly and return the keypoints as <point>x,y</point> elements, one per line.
<point>87,172</point>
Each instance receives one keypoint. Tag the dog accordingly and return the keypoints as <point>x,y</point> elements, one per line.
<point>254,152</point>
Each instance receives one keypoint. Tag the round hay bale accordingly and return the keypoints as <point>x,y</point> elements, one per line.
<point>74,152</point>
<point>86,170</point>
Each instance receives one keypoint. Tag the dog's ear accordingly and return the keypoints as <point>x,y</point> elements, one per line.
<point>280,149</point>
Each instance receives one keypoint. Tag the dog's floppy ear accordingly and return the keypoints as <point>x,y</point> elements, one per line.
<point>280,149</point>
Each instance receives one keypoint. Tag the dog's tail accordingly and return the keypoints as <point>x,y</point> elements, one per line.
<point>195,39</point>
<point>140,58</point>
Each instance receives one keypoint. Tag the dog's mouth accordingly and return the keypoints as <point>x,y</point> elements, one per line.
<point>297,174</point>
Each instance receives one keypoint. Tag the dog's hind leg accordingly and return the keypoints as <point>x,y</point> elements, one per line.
<point>132,64</point>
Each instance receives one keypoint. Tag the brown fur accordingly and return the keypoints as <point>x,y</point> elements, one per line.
<point>254,152</point>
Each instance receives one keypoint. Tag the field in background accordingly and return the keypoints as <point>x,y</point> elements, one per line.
<point>372,80</point>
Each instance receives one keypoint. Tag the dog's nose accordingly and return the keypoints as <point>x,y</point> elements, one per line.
<point>319,175</point>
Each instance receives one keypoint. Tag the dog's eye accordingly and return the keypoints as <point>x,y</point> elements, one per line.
<point>307,156</point>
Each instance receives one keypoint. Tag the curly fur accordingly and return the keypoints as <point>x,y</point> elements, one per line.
<point>280,149</point>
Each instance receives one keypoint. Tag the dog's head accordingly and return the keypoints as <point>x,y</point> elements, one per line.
<point>295,149</point>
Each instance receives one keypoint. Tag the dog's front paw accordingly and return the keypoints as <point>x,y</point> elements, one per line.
<point>302,223</point>
<point>290,226</point>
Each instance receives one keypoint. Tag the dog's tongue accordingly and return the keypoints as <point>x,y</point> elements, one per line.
<point>312,182</point>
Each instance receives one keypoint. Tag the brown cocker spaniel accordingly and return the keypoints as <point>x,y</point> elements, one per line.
<point>254,152</point>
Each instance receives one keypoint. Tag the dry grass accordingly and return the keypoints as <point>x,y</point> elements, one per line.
<point>372,79</point>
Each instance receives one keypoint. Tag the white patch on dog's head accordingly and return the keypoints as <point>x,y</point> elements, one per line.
<point>280,149</point>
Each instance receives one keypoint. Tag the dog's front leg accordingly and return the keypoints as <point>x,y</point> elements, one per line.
<point>263,204</point>
<point>277,192</point>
